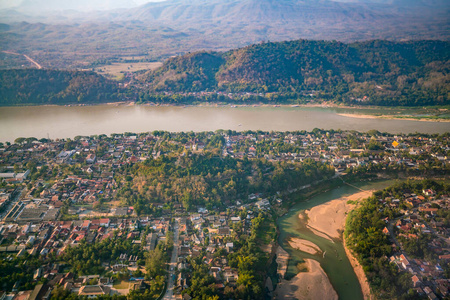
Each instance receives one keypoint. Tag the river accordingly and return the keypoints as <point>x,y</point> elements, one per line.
<point>68,122</point>
<point>335,262</point>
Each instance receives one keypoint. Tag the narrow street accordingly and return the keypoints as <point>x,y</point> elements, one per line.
<point>172,264</point>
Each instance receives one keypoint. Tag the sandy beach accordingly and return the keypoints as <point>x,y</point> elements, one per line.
<point>328,220</point>
<point>393,117</point>
<point>313,285</point>
<point>304,245</point>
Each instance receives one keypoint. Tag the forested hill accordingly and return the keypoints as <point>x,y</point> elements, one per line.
<point>374,72</point>
<point>33,86</point>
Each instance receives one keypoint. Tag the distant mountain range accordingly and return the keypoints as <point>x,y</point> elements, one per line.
<point>42,6</point>
<point>159,30</point>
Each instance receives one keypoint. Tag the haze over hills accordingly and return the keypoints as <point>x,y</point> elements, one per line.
<point>42,7</point>
<point>159,30</point>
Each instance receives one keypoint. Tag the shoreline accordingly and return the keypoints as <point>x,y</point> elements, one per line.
<point>328,221</point>
<point>362,278</point>
<point>391,117</point>
<point>324,105</point>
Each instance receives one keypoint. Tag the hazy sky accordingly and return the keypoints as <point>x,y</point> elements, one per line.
<point>84,5</point>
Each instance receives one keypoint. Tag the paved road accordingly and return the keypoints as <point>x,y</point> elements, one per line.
<point>10,205</point>
<point>172,265</point>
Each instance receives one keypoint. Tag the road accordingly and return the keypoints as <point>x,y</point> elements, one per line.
<point>11,203</point>
<point>172,264</point>
<point>26,56</point>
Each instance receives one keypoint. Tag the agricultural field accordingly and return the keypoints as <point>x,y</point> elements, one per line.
<point>117,70</point>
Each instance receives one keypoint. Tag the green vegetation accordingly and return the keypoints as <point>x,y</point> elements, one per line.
<point>32,86</point>
<point>18,269</point>
<point>86,259</point>
<point>377,72</point>
<point>155,262</point>
<point>209,180</point>
<point>367,73</point>
<point>364,236</point>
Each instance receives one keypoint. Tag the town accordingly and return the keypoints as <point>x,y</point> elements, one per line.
<point>99,215</point>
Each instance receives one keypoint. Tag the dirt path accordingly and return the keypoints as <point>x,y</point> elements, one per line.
<point>26,56</point>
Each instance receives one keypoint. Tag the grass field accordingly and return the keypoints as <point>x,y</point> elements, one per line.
<point>116,70</point>
<point>121,285</point>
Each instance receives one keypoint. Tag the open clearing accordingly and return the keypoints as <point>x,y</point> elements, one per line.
<point>116,70</point>
<point>122,285</point>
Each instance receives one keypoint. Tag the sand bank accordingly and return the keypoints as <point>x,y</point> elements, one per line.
<point>282,261</point>
<point>304,245</point>
<point>313,284</point>
<point>328,220</point>
<point>393,117</point>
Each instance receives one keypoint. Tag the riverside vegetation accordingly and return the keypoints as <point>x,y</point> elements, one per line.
<point>421,227</point>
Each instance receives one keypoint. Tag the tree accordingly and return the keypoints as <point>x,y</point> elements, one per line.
<point>19,140</point>
<point>155,262</point>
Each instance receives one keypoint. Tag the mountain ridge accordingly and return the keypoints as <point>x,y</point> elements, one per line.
<point>387,73</point>
<point>163,29</point>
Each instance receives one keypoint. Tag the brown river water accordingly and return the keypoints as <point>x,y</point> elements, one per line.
<point>68,122</point>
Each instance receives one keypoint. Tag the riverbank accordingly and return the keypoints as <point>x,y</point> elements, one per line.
<point>328,221</point>
<point>393,117</point>
<point>362,278</point>
<point>313,284</point>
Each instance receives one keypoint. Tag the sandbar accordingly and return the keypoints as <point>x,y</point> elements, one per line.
<point>313,285</point>
<point>393,117</point>
<point>282,261</point>
<point>304,245</point>
<point>328,220</point>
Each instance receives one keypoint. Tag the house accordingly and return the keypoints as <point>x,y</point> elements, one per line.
<point>39,292</point>
<point>229,247</point>
<point>428,192</point>
<point>93,291</point>
<point>90,159</point>
<point>235,219</point>
<point>224,231</point>
<point>416,281</point>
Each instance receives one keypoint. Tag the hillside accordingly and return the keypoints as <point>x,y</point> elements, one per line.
<point>375,72</point>
<point>32,86</point>
<point>157,30</point>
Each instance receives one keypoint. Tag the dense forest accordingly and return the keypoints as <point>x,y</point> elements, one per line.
<point>209,180</point>
<point>32,86</point>
<point>375,72</point>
